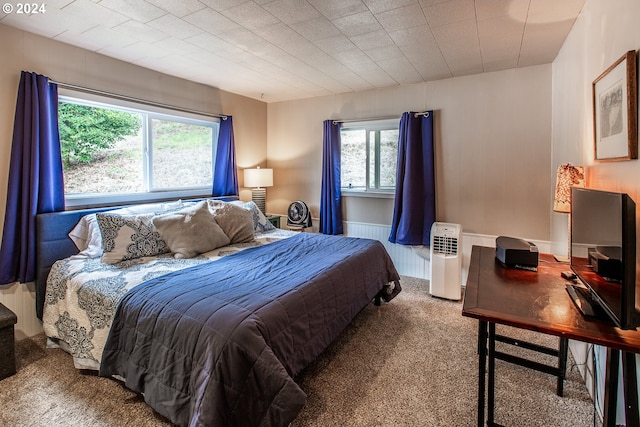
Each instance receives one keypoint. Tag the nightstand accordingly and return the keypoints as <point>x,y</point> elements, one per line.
<point>275,220</point>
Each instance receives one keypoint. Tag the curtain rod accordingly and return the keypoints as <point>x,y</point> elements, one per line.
<point>422,113</point>
<point>136,100</point>
<point>364,120</point>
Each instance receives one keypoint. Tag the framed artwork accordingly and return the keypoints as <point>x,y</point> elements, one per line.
<point>615,116</point>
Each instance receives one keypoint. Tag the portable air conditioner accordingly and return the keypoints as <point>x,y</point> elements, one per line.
<point>446,261</point>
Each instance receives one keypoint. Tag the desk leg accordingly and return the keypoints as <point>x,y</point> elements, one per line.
<point>562,365</point>
<point>482,369</point>
<point>611,388</point>
<point>492,374</point>
<point>630,387</point>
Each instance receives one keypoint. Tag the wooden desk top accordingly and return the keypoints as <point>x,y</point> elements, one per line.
<point>536,301</point>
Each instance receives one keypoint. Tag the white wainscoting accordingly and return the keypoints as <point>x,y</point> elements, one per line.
<point>21,299</point>
<point>414,260</point>
<point>407,261</point>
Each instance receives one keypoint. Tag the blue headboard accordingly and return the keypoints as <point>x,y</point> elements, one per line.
<point>53,243</point>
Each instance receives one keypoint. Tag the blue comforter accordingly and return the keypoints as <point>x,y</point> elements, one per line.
<point>219,344</point>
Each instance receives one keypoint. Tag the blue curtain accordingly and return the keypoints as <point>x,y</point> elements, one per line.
<point>414,209</point>
<point>225,175</point>
<point>330,196</point>
<point>35,176</point>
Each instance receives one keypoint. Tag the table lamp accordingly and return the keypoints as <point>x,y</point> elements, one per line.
<point>567,176</point>
<point>258,179</point>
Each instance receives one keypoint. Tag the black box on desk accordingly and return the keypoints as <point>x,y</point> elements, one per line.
<point>7,342</point>
<point>514,252</point>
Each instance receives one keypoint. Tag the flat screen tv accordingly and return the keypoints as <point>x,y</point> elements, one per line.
<point>603,255</point>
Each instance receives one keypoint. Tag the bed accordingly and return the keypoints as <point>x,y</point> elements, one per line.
<point>215,338</point>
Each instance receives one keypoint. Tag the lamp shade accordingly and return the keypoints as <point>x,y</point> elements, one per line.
<point>258,177</point>
<point>567,176</point>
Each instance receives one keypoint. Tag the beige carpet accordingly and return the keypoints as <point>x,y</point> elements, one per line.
<point>411,362</point>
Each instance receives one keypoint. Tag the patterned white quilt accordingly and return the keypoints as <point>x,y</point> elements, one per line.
<point>82,295</point>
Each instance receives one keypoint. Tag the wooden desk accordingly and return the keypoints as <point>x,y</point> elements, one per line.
<point>538,301</point>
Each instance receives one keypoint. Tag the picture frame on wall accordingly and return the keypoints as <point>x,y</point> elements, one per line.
<point>615,116</point>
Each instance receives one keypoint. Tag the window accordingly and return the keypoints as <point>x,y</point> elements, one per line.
<point>118,154</point>
<point>369,155</point>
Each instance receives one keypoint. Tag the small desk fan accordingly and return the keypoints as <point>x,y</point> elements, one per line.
<point>298,215</point>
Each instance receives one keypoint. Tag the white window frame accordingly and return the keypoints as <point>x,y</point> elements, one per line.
<point>370,125</point>
<point>82,200</point>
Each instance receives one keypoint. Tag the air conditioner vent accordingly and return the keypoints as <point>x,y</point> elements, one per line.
<point>445,245</point>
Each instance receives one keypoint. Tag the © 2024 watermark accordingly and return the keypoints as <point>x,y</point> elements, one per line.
<point>24,8</point>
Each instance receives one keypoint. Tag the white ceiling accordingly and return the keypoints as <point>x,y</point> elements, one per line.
<point>277,50</point>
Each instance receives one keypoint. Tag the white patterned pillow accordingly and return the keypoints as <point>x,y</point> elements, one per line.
<point>260,222</point>
<point>126,237</point>
<point>86,234</point>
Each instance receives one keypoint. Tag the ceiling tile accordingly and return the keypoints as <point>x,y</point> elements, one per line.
<point>178,8</point>
<point>351,57</point>
<point>151,51</point>
<point>290,41</point>
<point>139,31</point>
<point>139,10</point>
<point>514,9</point>
<point>381,54</point>
<point>429,63</point>
<point>415,35</point>
<point>537,40</point>
<point>210,43</point>
<point>334,9</point>
<point>241,38</point>
<point>373,74</point>
<point>292,11</point>
<point>401,70</point>
<point>499,62</point>
<point>378,6</point>
<point>359,23</point>
<point>173,44</point>
<point>131,53</point>
<point>211,21</point>
<point>550,11</point>
<point>449,12</point>
<point>463,60</point>
<point>316,29</point>
<point>372,40</point>
<point>51,25</point>
<point>87,43</point>
<point>220,5</point>
<point>114,38</point>
<point>401,18</point>
<point>175,27</point>
<point>497,29</point>
<point>88,11</point>
<point>335,44</point>
<point>250,15</point>
<point>464,31</point>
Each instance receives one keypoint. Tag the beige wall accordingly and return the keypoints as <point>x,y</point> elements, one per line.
<point>603,32</point>
<point>601,35</point>
<point>493,142</point>
<point>64,63</point>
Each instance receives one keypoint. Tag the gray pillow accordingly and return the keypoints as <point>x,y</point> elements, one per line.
<point>191,231</point>
<point>236,222</point>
